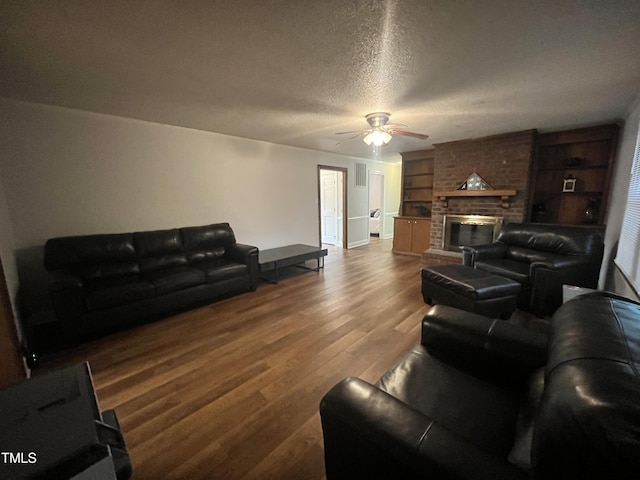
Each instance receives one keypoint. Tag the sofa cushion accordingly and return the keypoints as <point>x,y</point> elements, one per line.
<point>206,243</point>
<point>93,256</point>
<point>159,250</point>
<point>518,271</point>
<point>221,269</point>
<point>173,279</point>
<point>113,292</point>
<point>528,255</point>
<point>482,413</point>
<point>565,240</point>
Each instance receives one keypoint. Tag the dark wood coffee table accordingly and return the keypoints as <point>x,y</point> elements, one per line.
<point>274,259</point>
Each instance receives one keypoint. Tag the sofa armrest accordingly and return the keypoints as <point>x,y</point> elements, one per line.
<point>248,255</point>
<point>482,344</point>
<point>547,279</point>
<point>243,253</point>
<point>473,254</point>
<point>561,262</point>
<point>371,434</point>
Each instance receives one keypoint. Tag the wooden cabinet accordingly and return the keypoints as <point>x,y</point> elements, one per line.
<point>585,155</point>
<point>417,183</point>
<point>412,228</point>
<point>411,235</point>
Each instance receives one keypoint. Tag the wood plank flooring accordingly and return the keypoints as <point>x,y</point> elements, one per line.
<point>231,390</point>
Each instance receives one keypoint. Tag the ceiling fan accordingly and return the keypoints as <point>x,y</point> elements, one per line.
<point>380,132</point>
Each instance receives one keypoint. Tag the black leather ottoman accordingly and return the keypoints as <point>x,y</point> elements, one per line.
<point>470,289</point>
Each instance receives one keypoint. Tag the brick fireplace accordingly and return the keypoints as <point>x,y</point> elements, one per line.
<point>503,161</point>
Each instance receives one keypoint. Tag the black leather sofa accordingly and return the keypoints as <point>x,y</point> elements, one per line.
<point>542,258</point>
<point>100,282</point>
<point>486,399</point>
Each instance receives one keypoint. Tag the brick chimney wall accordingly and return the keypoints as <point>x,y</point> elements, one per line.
<point>503,161</point>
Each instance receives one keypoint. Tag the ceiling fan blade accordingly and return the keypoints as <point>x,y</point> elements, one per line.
<point>359,134</point>
<point>352,131</point>
<point>409,134</point>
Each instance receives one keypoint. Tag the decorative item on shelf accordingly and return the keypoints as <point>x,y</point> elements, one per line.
<point>539,213</point>
<point>475,182</point>
<point>569,184</point>
<point>423,211</point>
<point>572,162</point>
<point>592,211</point>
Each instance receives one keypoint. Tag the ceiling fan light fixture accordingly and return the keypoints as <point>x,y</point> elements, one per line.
<point>380,132</point>
<point>377,137</point>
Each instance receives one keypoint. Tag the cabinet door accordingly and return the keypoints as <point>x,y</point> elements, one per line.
<point>420,235</point>
<point>402,235</point>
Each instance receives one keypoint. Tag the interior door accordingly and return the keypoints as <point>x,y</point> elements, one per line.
<point>329,206</point>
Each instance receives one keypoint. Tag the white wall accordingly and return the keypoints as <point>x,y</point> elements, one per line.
<point>375,191</point>
<point>392,183</point>
<point>67,172</point>
<point>610,277</point>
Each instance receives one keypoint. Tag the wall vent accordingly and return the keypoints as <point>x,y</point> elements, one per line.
<point>361,174</point>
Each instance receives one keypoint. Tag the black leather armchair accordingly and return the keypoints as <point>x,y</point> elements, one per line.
<point>542,258</point>
<point>485,399</point>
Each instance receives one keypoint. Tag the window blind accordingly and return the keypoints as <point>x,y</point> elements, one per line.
<point>628,256</point>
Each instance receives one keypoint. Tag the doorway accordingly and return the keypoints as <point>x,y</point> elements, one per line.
<point>332,205</point>
<point>376,203</point>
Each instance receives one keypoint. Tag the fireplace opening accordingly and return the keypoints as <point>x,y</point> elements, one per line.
<point>469,230</point>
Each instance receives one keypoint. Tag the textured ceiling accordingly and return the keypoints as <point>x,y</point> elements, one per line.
<point>295,72</point>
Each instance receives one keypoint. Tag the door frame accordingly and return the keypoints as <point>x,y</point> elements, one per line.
<point>12,368</point>
<point>344,203</point>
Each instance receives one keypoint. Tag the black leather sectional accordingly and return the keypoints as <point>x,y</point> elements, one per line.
<point>481,398</point>
<point>105,281</point>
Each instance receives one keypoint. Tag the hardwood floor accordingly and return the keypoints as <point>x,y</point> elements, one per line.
<point>231,390</point>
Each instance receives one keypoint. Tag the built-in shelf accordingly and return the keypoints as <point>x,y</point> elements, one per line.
<point>503,194</point>
<point>412,228</point>
<point>584,154</point>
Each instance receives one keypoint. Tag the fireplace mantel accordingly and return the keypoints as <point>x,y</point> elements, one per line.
<point>503,194</point>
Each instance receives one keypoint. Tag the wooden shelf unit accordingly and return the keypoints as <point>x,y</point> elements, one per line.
<point>417,183</point>
<point>585,154</point>
<point>412,228</point>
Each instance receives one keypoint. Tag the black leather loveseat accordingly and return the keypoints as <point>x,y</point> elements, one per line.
<point>104,281</point>
<point>486,399</point>
<point>542,258</point>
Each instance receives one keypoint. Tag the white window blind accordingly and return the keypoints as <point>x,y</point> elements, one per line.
<point>628,256</point>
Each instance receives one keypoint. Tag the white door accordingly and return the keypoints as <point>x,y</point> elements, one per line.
<point>329,206</point>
